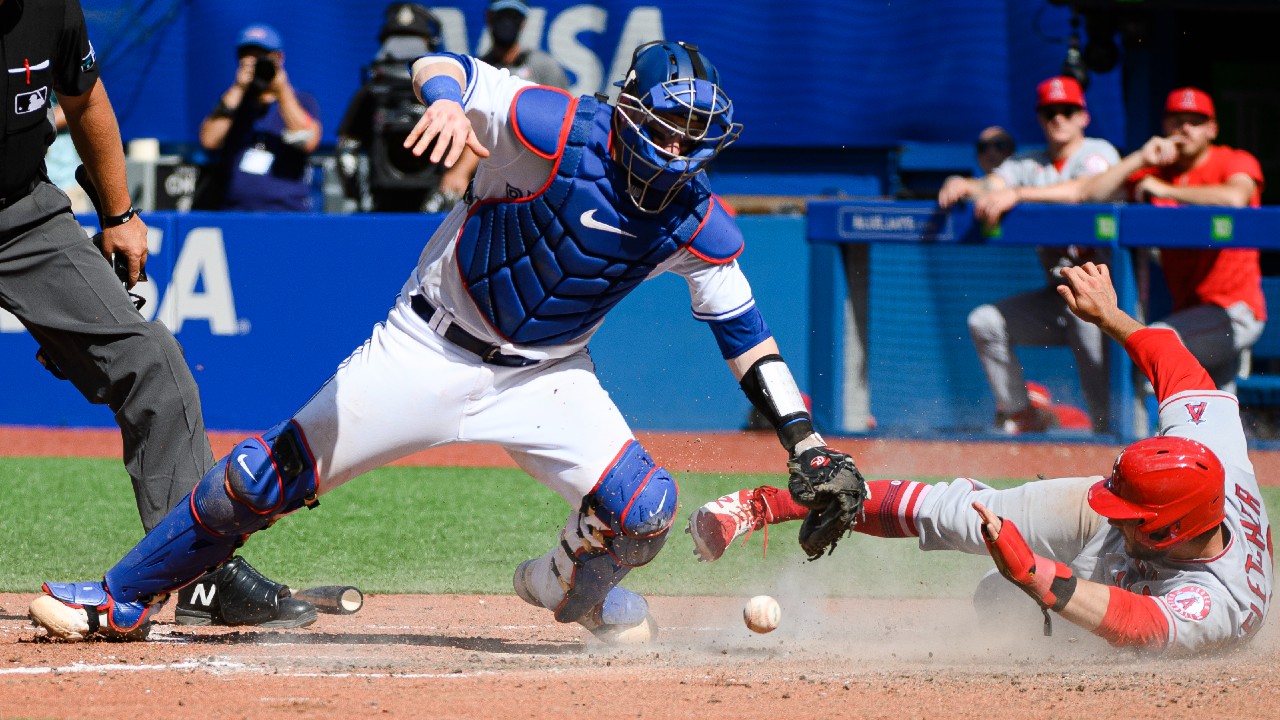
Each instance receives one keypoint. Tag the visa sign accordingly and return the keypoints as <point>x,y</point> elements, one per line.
<point>199,287</point>
<point>586,69</point>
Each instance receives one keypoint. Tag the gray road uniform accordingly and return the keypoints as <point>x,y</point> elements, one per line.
<point>1040,317</point>
<point>1207,602</point>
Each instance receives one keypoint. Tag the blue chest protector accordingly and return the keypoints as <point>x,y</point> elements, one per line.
<point>545,269</point>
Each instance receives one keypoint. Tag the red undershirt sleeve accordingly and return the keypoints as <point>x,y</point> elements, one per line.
<point>1167,363</point>
<point>1134,620</point>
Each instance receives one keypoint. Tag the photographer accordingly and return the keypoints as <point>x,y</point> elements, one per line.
<point>381,114</point>
<point>265,132</point>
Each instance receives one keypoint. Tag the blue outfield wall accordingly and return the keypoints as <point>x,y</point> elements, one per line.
<point>266,306</point>
<point>806,73</point>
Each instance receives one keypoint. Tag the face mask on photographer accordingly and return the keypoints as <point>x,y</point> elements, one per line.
<point>505,26</point>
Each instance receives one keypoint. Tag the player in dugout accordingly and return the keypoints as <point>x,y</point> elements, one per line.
<point>1170,552</point>
<point>577,202</point>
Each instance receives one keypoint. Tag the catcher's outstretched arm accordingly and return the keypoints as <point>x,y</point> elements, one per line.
<point>822,479</point>
<point>768,384</point>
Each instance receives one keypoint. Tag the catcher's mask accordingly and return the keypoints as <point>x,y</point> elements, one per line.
<point>671,93</point>
<point>1173,485</point>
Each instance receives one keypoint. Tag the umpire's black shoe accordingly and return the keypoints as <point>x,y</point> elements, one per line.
<point>236,594</point>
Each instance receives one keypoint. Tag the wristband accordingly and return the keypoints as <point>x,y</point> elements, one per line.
<point>441,87</point>
<point>110,221</point>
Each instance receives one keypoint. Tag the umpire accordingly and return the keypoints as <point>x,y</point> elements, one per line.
<point>56,282</point>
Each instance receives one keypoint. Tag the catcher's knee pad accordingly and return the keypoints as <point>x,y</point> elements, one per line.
<point>260,480</point>
<point>636,501</point>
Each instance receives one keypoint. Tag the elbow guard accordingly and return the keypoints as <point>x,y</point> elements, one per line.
<point>1133,620</point>
<point>771,389</point>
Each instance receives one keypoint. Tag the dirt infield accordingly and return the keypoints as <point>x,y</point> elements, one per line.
<point>495,657</point>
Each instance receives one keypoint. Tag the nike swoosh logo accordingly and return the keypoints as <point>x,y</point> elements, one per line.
<point>240,459</point>
<point>589,221</point>
<point>661,502</point>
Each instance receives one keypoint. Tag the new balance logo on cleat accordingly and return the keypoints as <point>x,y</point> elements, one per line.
<point>237,594</point>
<point>202,593</point>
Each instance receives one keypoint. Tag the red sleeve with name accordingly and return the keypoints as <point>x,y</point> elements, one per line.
<point>1167,363</point>
<point>1133,620</point>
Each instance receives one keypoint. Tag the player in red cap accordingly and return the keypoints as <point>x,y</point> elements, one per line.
<point>1039,317</point>
<point>1218,307</point>
<point>1170,551</point>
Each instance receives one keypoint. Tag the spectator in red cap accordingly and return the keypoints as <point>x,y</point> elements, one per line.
<point>1040,317</point>
<point>1218,307</point>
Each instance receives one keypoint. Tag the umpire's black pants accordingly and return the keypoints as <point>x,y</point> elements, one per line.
<point>58,284</point>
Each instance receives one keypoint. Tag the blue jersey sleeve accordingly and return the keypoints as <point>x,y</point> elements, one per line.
<point>741,332</point>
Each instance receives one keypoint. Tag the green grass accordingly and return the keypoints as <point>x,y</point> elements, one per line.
<point>442,530</point>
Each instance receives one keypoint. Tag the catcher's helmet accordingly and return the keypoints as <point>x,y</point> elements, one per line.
<point>671,92</point>
<point>1173,485</point>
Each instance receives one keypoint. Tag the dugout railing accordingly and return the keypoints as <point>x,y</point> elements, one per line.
<point>891,283</point>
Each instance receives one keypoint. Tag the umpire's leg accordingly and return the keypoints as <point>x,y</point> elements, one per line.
<point>58,284</point>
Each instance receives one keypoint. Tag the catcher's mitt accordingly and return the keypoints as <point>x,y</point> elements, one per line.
<point>828,483</point>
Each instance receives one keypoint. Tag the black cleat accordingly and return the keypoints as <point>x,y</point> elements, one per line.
<point>236,594</point>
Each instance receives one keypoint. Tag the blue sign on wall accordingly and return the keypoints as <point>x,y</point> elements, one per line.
<point>810,73</point>
<point>266,306</point>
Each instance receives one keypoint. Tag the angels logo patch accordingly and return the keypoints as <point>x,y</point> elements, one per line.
<point>1196,411</point>
<point>1190,602</point>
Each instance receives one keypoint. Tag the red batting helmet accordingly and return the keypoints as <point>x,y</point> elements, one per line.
<point>1174,485</point>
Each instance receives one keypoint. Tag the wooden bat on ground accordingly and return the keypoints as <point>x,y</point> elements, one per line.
<point>333,599</point>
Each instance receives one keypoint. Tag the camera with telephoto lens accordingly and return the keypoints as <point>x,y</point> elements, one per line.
<point>264,71</point>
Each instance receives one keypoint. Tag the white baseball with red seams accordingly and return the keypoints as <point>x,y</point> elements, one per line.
<point>762,614</point>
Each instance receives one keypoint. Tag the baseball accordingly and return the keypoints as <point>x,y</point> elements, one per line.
<point>762,614</point>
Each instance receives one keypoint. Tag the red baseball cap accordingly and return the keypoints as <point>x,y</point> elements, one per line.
<point>1061,90</point>
<point>1190,100</point>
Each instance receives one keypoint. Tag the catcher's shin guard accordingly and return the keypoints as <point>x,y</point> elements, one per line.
<point>623,523</point>
<point>260,480</point>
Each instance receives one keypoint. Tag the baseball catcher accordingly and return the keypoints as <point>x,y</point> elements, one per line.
<point>575,203</point>
<point>1170,551</point>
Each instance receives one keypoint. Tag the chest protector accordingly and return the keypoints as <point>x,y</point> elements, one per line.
<point>544,269</point>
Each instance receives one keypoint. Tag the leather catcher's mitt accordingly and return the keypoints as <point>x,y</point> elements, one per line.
<point>828,483</point>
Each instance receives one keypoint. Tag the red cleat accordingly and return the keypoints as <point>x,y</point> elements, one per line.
<point>718,523</point>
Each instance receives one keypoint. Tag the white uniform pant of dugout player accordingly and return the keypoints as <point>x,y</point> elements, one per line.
<point>407,389</point>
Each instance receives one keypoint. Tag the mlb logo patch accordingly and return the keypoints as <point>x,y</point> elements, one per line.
<point>29,102</point>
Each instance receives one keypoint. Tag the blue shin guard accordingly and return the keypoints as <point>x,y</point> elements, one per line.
<point>262,479</point>
<point>631,510</point>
